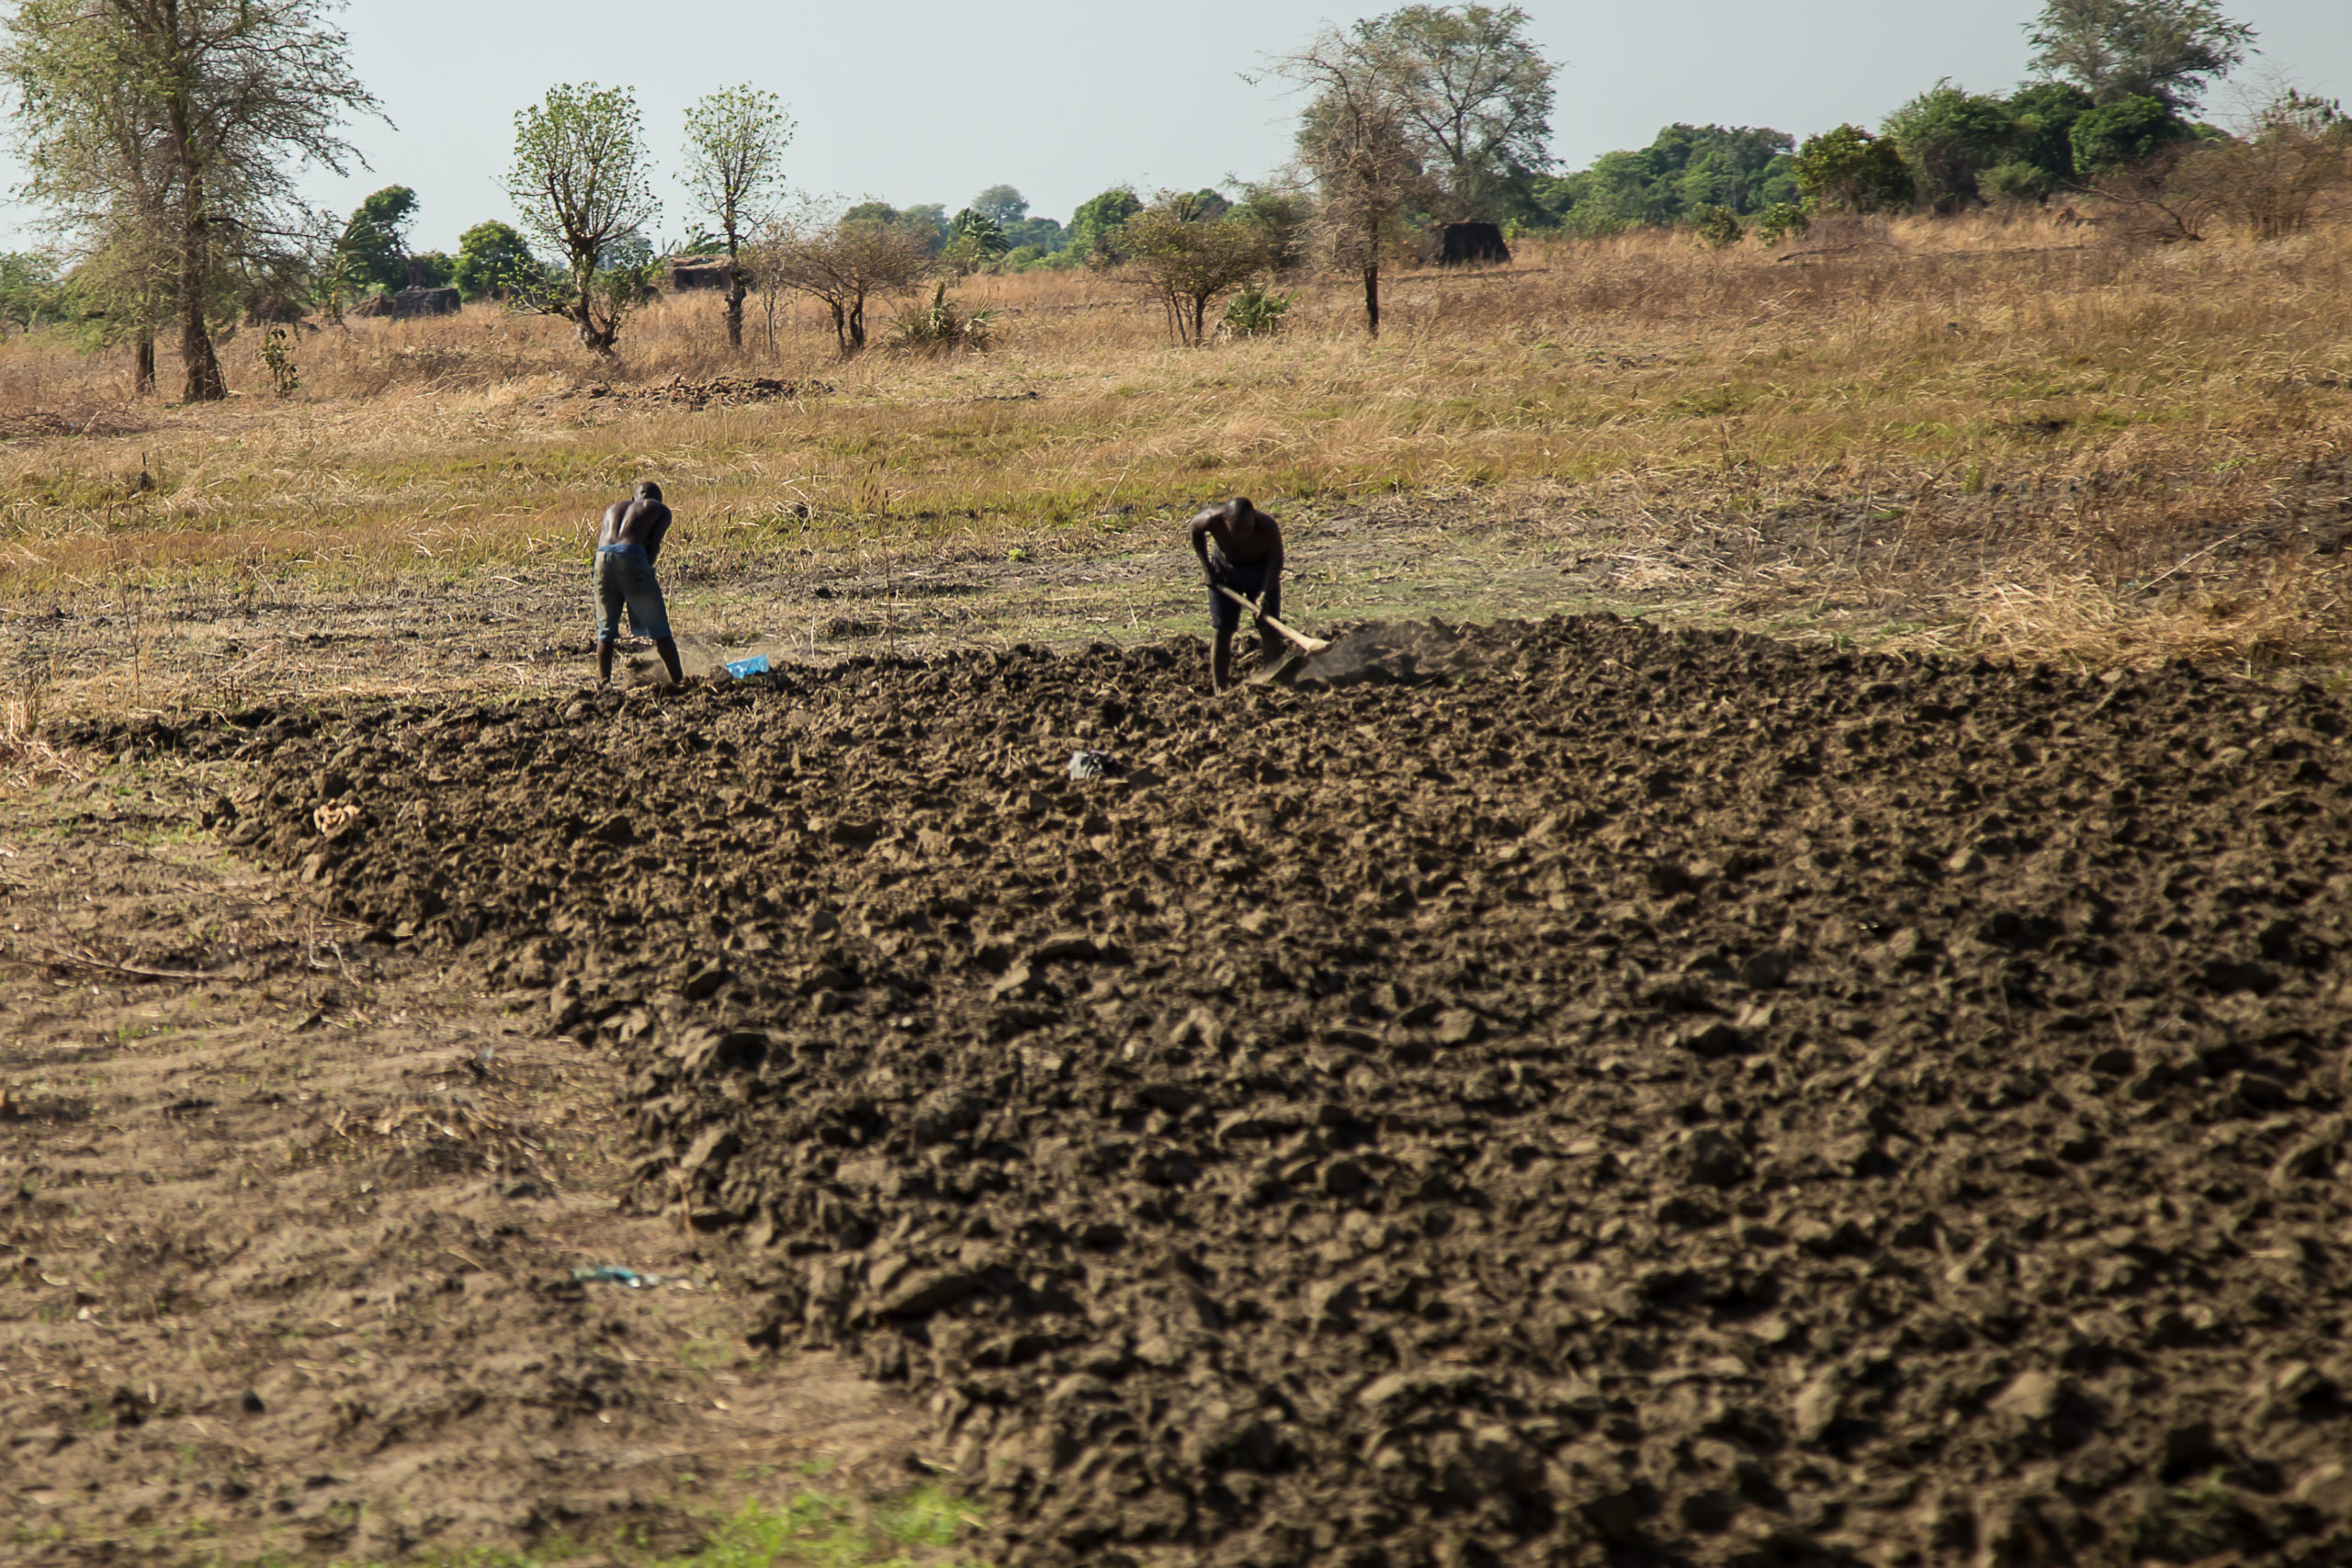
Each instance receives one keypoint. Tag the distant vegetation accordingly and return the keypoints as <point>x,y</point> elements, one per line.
<point>170,195</point>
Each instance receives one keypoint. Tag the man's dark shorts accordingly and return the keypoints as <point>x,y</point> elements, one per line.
<point>624,576</point>
<point>1247,581</point>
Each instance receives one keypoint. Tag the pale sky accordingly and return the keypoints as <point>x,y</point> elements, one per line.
<point>931,100</point>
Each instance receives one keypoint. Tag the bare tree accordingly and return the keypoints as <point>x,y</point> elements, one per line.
<point>735,143</point>
<point>1355,142</point>
<point>197,115</point>
<point>582,182</point>
<point>843,263</point>
<point>1190,258</point>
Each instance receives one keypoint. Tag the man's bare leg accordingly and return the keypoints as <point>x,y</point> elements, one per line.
<point>668,649</point>
<point>1220,660</point>
<point>604,661</point>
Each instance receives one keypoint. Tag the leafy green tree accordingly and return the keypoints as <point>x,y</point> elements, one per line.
<point>1848,169</point>
<point>1948,136</point>
<point>2042,114</point>
<point>1041,235</point>
<point>872,212</point>
<point>2170,50</point>
<point>234,98</point>
<point>583,182</point>
<point>433,270</point>
<point>1687,167</point>
<point>30,294</point>
<point>1094,227</point>
<point>1475,94</point>
<point>97,159</point>
<point>974,240</point>
<point>373,250</point>
<point>1002,205</point>
<point>2128,131</point>
<point>491,256</point>
<point>735,143</point>
<point>928,218</point>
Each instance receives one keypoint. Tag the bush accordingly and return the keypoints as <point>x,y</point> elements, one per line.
<point>2015,180</point>
<point>1255,311</point>
<point>1717,228</point>
<point>942,327</point>
<point>1782,220</point>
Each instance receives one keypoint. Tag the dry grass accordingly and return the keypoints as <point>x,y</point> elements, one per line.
<point>2010,430</point>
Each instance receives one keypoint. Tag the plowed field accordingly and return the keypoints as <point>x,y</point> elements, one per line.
<point>1567,1094</point>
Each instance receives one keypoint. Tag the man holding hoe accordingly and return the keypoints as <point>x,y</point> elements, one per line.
<point>626,548</point>
<point>1248,559</point>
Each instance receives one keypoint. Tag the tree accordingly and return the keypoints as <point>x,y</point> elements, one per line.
<point>30,295</point>
<point>974,239</point>
<point>1191,256</point>
<point>583,183</point>
<point>1002,205</point>
<point>846,263</point>
<point>230,98</point>
<point>373,250</point>
<point>1475,93</point>
<point>1094,227</point>
<point>1850,169</point>
<point>735,143</point>
<point>2129,131</point>
<point>492,258</point>
<point>2166,49</point>
<point>93,145</point>
<point>1356,142</point>
<point>1948,136</point>
<point>2297,148</point>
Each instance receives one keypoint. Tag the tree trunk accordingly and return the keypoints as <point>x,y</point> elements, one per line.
<point>1371,298</point>
<point>143,362</point>
<point>203,382</point>
<point>735,292</point>
<point>857,323</point>
<point>1200,314</point>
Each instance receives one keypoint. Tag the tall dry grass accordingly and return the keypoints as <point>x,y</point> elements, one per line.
<point>1946,408</point>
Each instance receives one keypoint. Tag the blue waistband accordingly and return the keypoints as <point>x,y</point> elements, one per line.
<point>616,549</point>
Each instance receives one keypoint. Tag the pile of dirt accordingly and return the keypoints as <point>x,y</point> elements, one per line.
<point>1642,1099</point>
<point>719,391</point>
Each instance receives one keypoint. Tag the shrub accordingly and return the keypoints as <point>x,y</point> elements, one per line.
<point>1782,220</point>
<point>942,327</point>
<point>1255,311</point>
<point>1717,228</point>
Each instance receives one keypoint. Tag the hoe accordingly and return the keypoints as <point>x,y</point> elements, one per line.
<point>1303,647</point>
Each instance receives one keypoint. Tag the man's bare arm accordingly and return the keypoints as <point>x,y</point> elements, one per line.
<point>1201,538</point>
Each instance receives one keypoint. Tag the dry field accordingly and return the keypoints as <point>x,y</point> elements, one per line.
<point>2016,435</point>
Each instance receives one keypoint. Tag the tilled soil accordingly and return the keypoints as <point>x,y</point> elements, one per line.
<point>1587,1095</point>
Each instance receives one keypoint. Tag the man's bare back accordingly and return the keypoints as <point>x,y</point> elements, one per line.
<point>636,521</point>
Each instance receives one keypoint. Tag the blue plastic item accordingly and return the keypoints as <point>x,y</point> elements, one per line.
<point>741,668</point>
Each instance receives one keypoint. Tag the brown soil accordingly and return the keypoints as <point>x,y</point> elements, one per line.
<point>285,1249</point>
<point>1590,1095</point>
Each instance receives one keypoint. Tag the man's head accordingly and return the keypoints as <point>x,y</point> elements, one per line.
<point>648,490</point>
<point>1243,516</point>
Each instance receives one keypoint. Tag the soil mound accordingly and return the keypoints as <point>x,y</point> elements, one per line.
<point>1393,653</point>
<point>1644,1099</point>
<point>719,391</point>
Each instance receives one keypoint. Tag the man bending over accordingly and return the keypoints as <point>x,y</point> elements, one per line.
<point>626,548</point>
<point>1248,559</point>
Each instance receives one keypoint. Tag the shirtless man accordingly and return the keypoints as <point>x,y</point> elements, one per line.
<point>1248,559</point>
<point>626,548</point>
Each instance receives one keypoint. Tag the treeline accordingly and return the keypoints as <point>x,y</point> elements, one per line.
<point>166,155</point>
